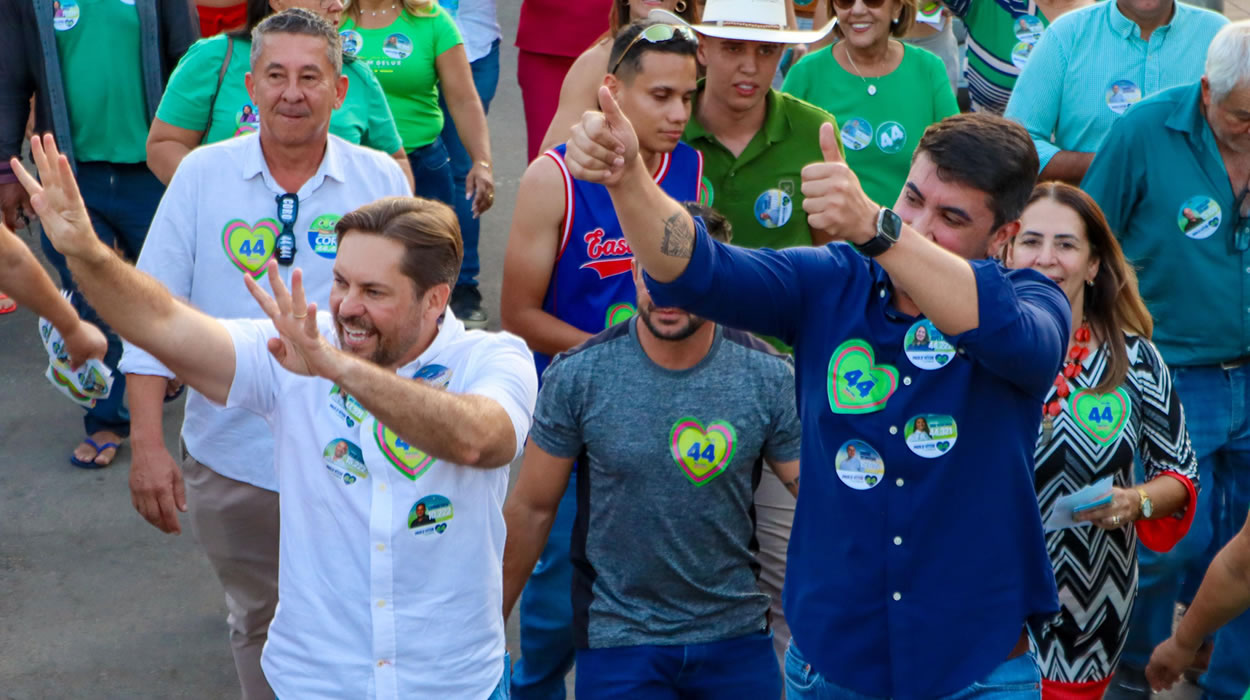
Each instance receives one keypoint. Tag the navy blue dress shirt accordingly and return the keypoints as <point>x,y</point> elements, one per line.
<point>913,575</point>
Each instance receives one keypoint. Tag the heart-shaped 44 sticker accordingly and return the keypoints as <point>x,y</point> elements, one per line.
<point>856,385</point>
<point>249,246</point>
<point>1101,416</point>
<point>703,453</point>
<point>410,461</point>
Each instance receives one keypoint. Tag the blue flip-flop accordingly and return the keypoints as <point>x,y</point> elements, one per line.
<point>91,463</point>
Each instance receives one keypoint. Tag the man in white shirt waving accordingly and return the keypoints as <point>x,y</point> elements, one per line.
<point>377,602</point>
<point>223,215</point>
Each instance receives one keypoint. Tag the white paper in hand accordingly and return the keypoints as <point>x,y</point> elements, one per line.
<point>1061,513</point>
<point>86,385</point>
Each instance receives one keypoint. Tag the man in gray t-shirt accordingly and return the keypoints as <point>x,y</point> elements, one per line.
<point>670,418</point>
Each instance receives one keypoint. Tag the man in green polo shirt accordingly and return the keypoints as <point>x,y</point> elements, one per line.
<point>754,139</point>
<point>1162,177</point>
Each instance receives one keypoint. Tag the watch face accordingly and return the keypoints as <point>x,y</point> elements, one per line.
<point>891,225</point>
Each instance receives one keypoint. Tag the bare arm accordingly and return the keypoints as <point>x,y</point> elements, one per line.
<point>529,512</point>
<point>401,158</point>
<point>456,81</point>
<point>167,146</point>
<point>533,244</point>
<point>1068,166</point>
<point>788,474</point>
<point>1223,595</point>
<point>578,93</point>
<point>156,487</point>
<point>192,345</point>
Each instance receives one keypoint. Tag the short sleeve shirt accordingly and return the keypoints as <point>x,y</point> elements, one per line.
<point>402,57</point>
<point>879,130</point>
<point>758,190</point>
<point>102,66</point>
<point>671,470</point>
<point>1001,37</point>
<point>378,601</point>
<point>364,118</point>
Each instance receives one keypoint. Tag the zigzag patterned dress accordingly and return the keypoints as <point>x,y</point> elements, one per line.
<point>1095,436</point>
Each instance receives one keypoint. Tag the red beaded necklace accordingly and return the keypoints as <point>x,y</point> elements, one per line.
<point>1071,368</point>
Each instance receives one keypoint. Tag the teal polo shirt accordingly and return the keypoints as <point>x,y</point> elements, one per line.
<point>1161,182</point>
<point>759,190</point>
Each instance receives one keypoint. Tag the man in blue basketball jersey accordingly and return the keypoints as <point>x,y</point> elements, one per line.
<point>567,277</point>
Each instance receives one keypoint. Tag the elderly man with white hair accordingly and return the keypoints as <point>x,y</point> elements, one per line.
<point>1173,178</point>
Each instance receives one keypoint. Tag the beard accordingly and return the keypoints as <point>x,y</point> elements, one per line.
<point>692,325</point>
<point>386,353</point>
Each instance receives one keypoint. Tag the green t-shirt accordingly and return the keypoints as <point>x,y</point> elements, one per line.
<point>102,64</point>
<point>402,57</point>
<point>879,131</point>
<point>758,191</point>
<point>364,118</point>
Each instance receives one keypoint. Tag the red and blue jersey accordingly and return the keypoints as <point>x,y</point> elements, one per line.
<point>591,286</point>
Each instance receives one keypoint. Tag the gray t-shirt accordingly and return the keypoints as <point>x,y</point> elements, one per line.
<point>664,541</point>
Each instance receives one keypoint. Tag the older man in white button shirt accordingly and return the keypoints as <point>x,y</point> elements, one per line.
<point>377,601</point>
<point>220,217</point>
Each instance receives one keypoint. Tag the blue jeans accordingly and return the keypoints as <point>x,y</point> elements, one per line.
<point>485,79</point>
<point>121,199</point>
<point>431,172</point>
<point>742,667</point>
<point>1217,409</point>
<point>1015,679</point>
<point>547,612</point>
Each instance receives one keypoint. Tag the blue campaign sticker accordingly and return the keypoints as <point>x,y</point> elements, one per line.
<point>346,407</point>
<point>926,347</point>
<point>430,515</point>
<point>773,208</point>
<point>65,14</point>
<point>1122,94</point>
<point>397,46</point>
<point>351,41</point>
<point>344,461</point>
<point>930,435</point>
<point>859,465</point>
<point>856,134</point>
<point>1199,217</point>
<point>321,236</point>
<point>434,375</point>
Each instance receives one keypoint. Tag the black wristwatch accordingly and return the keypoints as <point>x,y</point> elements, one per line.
<point>889,226</point>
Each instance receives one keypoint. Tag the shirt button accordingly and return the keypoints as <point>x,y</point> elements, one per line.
<point>883,292</point>
<point>906,381</point>
<point>893,429</point>
<point>899,481</point>
<point>381,663</point>
<point>961,350</point>
<point>898,540</point>
<point>381,487</point>
<point>898,596</point>
<point>381,603</point>
<point>381,547</point>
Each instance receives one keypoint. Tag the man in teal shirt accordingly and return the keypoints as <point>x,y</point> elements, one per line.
<point>1162,177</point>
<point>1093,64</point>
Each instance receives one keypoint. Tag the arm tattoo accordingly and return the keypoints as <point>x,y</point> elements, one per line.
<point>793,486</point>
<point>678,236</point>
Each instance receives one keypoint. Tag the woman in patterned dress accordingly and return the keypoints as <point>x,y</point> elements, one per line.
<point>1112,402</point>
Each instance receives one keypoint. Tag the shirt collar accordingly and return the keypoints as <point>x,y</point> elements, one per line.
<point>776,123</point>
<point>1128,29</point>
<point>253,162</point>
<point>1187,115</point>
<point>450,328</point>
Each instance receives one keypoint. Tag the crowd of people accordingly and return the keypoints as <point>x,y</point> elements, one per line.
<point>757,243</point>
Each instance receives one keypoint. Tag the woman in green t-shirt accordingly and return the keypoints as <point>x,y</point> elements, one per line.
<point>884,93</point>
<point>196,108</point>
<point>414,49</point>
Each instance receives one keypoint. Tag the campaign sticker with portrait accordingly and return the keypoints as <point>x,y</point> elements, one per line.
<point>859,465</point>
<point>1199,217</point>
<point>856,134</point>
<point>773,208</point>
<point>397,46</point>
<point>345,461</point>
<point>346,407</point>
<point>930,435</point>
<point>926,347</point>
<point>1122,94</point>
<point>430,515</point>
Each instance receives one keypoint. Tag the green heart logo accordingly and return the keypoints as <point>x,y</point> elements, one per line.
<point>617,313</point>
<point>410,461</point>
<point>1101,416</point>
<point>250,247</point>
<point>856,385</point>
<point>702,453</point>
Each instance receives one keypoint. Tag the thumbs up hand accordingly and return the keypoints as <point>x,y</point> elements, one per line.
<point>837,208</point>
<point>603,143</point>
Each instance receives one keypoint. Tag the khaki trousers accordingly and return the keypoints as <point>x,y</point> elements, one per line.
<point>237,525</point>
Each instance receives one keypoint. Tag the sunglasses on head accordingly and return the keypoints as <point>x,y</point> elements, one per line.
<point>657,34</point>
<point>848,4</point>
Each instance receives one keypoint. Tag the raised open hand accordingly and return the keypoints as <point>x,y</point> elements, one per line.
<point>299,347</point>
<point>602,144</point>
<point>55,198</point>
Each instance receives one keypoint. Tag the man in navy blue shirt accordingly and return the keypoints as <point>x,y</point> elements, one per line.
<point>914,575</point>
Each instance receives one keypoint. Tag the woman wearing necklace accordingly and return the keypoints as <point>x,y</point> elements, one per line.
<point>415,50</point>
<point>1111,403</point>
<point>885,92</point>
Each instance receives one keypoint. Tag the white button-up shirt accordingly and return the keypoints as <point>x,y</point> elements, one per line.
<point>391,563</point>
<point>217,221</point>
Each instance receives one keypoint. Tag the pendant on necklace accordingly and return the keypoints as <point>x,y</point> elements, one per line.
<point>872,89</point>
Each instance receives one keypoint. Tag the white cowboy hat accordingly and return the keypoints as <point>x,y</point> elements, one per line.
<point>747,20</point>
